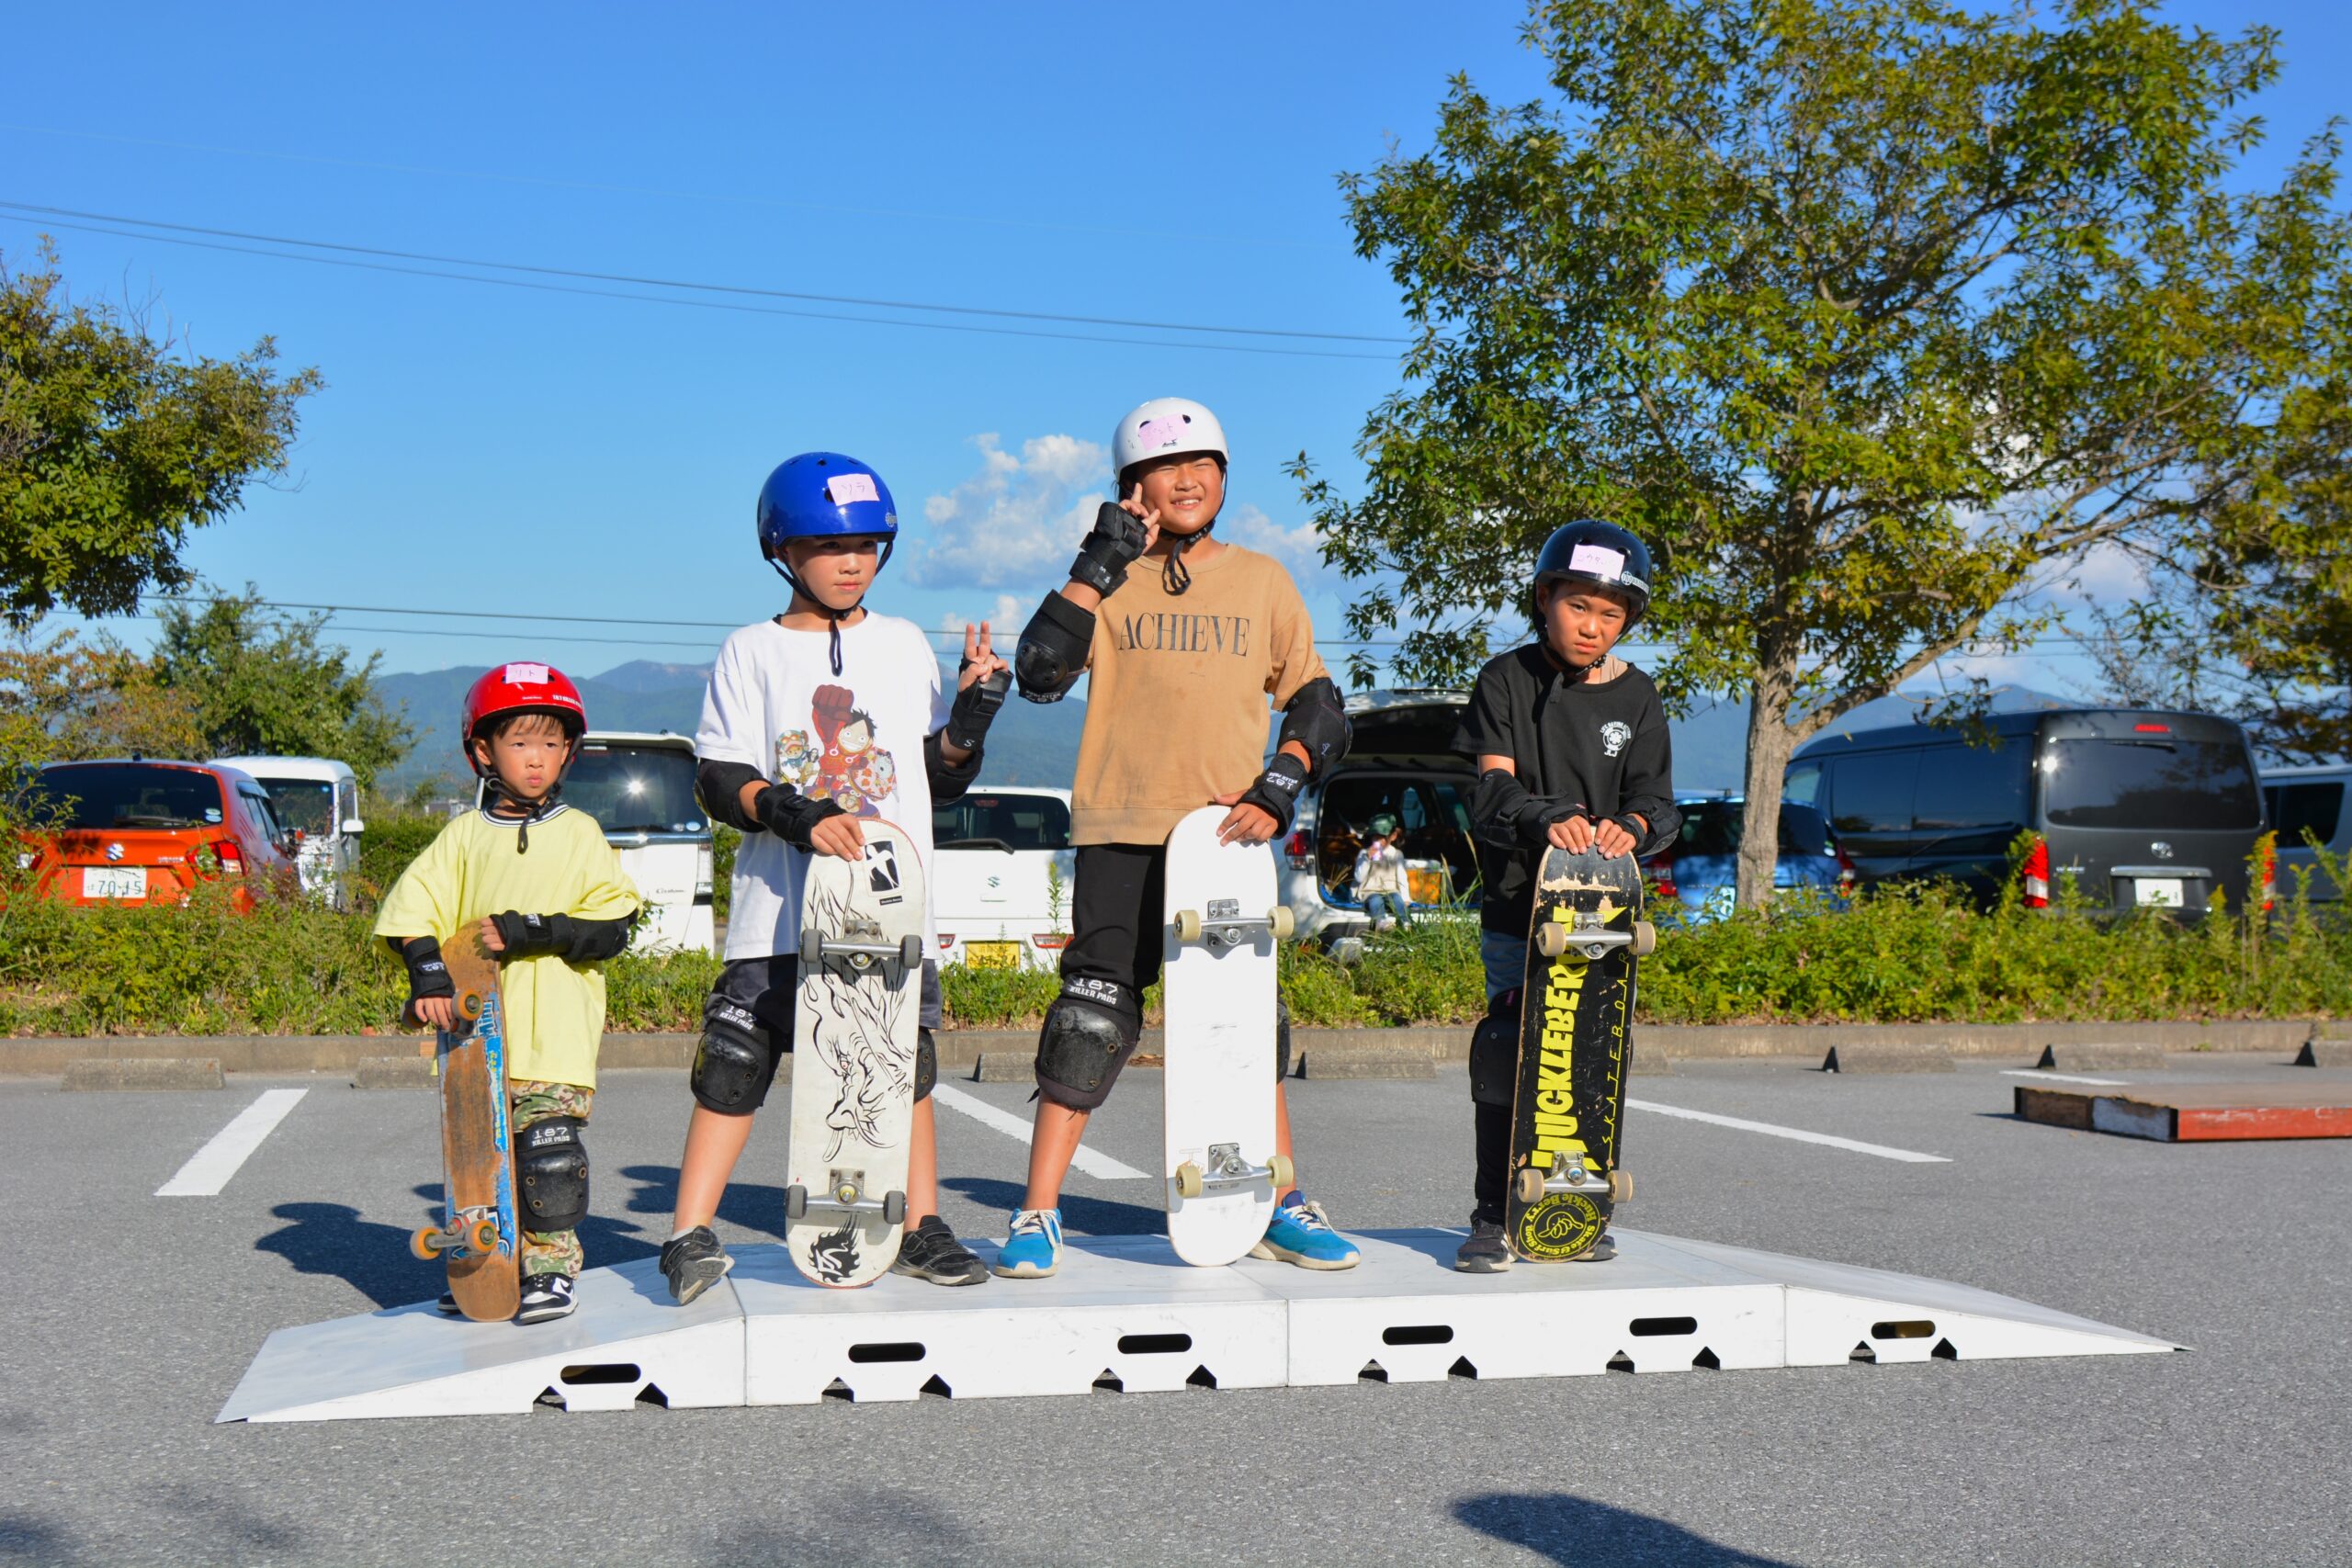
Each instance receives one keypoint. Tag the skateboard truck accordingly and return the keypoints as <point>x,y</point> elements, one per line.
<point>1533,1181</point>
<point>844,1192</point>
<point>1224,1166</point>
<point>475,1234</point>
<point>816,947</point>
<point>1225,926</point>
<point>1589,938</point>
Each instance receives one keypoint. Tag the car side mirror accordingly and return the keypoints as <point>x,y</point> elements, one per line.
<point>353,825</point>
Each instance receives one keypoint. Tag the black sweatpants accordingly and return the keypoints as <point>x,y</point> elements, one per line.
<point>1115,942</point>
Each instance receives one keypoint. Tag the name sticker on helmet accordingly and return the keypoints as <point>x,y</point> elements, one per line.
<point>1598,560</point>
<point>527,675</point>
<point>1165,431</point>
<point>842,488</point>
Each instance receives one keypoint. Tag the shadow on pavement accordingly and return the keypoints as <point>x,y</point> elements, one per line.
<point>26,1538</point>
<point>1084,1216</point>
<point>372,1258</point>
<point>1566,1530</point>
<point>748,1204</point>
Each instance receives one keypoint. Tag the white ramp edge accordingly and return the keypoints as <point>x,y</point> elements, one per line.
<point>1123,1314</point>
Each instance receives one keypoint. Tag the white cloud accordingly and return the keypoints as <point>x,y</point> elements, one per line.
<point>1300,548</point>
<point>1017,521</point>
<point>1005,618</point>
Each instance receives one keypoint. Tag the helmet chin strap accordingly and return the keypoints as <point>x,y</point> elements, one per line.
<point>832,614</point>
<point>1174,575</point>
<point>532,811</point>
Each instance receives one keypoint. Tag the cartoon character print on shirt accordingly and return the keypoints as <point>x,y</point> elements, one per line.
<point>836,758</point>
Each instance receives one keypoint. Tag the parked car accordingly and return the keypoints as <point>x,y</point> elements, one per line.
<point>1000,877</point>
<point>1401,763</point>
<point>640,789</point>
<point>2142,809</point>
<point>316,799</point>
<point>1700,868</point>
<point>2308,800</point>
<point>141,831</point>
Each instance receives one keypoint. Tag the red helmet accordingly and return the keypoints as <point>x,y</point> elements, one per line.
<point>509,689</point>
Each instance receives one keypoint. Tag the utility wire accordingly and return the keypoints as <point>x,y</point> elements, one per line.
<point>699,286</point>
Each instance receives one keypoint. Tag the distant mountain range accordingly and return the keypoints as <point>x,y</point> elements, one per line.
<point>1032,743</point>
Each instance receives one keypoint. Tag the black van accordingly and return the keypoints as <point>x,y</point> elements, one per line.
<point>2140,807</point>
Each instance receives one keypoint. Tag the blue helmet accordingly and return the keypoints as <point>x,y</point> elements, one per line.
<point>820,494</point>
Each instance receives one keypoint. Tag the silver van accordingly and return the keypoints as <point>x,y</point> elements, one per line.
<point>2302,800</point>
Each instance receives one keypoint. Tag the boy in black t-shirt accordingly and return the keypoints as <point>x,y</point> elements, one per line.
<point>1573,752</point>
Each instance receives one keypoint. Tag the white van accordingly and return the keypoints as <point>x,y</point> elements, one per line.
<point>640,790</point>
<point>2308,799</point>
<point>1000,878</point>
<point>317,800</point>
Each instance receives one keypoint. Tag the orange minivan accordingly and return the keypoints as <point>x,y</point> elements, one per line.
<point>138,831</point>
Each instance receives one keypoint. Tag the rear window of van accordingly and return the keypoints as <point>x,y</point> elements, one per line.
<point>2150,782</point>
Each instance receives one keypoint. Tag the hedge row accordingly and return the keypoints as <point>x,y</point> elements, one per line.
<point>292,967</point>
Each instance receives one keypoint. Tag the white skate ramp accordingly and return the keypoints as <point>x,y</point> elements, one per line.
<point>1125,1313</point>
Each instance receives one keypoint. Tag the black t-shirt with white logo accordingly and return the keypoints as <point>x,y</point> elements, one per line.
<point>1601,747</point>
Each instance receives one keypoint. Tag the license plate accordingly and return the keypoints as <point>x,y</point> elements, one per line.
<point>2157,892</point>
<point>114,882</point>
<point>992,954</point>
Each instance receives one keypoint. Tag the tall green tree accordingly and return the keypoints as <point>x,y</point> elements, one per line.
<point>1874,313</point>
<point>263,681</point>
<point>116,443</point>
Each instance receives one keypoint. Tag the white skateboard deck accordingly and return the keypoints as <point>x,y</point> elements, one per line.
<point>1222,922</point>
<point>860,998</point>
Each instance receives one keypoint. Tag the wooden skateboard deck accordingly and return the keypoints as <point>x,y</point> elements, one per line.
<point>1575,1049</point>
<point>1222,922</point>
<point>479,1241</point>
<point>861,948</point>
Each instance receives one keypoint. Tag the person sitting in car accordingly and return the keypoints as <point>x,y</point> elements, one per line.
<point>1380,876</point>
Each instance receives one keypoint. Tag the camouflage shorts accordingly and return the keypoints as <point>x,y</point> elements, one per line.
<point>528,1103</point>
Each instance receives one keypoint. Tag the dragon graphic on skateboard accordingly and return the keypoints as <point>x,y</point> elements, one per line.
<point>479,1241</point>
<point>1575,1046</point>
<point>1217,989</point>
<point>853,1033</point>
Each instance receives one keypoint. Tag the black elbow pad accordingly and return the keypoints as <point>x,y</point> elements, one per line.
<point>1317,719</point>
<point>1054,650</point>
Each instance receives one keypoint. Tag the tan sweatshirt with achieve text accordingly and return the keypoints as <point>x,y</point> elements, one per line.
<point>1177,690</point>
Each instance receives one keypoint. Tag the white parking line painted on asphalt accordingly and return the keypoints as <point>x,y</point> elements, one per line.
<point>1011,1126</point>
<point>1798,1133</point>
<point>208,1169</point>
<point>2059,1077</point>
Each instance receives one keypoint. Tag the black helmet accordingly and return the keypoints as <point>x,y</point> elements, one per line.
<point>1602,554</point>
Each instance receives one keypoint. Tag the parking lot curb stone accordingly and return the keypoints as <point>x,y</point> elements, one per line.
<point>1886,1056</point>
<point>144,1073</point>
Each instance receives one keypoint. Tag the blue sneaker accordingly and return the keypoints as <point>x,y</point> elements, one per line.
<point>1302,1234</point>
<point>1034,1249</point>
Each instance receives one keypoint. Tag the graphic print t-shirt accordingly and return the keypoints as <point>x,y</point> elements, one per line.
<point>1177,690</point>
<point>853,738</point>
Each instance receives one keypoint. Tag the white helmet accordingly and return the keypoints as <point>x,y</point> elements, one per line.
<point>1165,427</point>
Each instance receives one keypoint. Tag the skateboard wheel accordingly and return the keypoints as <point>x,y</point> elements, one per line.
<point>1188,925</point>
<point>1528,1184</point>
<point>1621,1186</point>
<point>894,1208</point>
<point>470,1006</point>
<point>1645,939</point>
<point>1552,940</point>
<point>483,1237</point>
<point>1282,920</point>
<point>795,1201</point>
<point>427,1242</point>
<point>1188,1178</point>
<point>1279,1167</point>
<point>812,947</point>
<point>911,951</point>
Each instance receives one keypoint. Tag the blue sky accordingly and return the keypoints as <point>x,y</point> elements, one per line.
<point>503,450</point>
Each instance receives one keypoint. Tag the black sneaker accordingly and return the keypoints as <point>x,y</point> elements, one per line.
<point>447,1305</point>
<point>1483,1252</point>
<point>929,1251</point>
<point>1603,1248</point>
<point>545,1298</point>
<point>692,1263</point>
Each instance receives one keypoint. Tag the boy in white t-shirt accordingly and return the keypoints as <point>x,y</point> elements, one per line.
<point>824,715</point>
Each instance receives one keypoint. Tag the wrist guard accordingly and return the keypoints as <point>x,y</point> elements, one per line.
<point>976,708</point>
<point>427,974</point>
<point>1276,791</point>
<point>790,814</point>
<point>1108,549</point>
<point>530,936</point>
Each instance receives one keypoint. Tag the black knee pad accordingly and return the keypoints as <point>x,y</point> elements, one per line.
<point>1494,1052</point>
<point>1079,1053</point>
<point>926,1064</point>
<point>735,1061</point>
<point>551,1175</point>
<point>1282,1041</point>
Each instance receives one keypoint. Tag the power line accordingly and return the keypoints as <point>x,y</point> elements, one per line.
<point>734,306</point>
<point>700,286</point>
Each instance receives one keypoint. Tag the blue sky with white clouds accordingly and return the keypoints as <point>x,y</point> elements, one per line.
<point>488,446</point>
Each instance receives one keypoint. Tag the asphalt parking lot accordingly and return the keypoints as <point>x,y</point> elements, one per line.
<point>131,1317</point>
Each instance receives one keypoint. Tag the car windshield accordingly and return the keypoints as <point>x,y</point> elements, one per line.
<point>128,794</point>
<point>1009,821</point>
<point>1714,828</point>
<point>636,789</point>
<point>306,806</point>
<point>2156,781</point>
